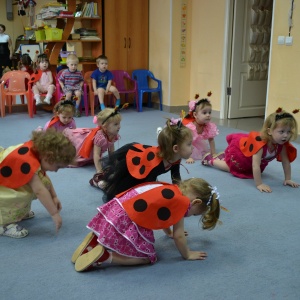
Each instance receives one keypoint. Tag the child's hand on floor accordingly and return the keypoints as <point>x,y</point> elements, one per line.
<point>190,161</point>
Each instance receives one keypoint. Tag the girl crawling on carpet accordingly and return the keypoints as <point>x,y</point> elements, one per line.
<point>63,116</point>
<point>23,178</point>
<point>92,143</point>
<point>122,231</point>
<point>136,163</point>
<point>247,155</point>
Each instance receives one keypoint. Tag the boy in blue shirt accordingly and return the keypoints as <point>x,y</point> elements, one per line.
<point>102,81</point>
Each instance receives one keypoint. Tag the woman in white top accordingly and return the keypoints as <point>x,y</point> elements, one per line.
<point>6,50</point>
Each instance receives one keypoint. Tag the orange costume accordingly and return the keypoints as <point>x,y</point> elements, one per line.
<point>241,147</point>
<point>125,224</point>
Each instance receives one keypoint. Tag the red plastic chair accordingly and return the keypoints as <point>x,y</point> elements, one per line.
<point>143,77</point>
<point>13,84</point>
<point>54,98</point>
<point>89,92</point>
<point>125,85</point>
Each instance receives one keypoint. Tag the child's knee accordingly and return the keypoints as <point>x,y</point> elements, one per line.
<point>77,93</point>
<point>100,91</point>
<point>68,95</point>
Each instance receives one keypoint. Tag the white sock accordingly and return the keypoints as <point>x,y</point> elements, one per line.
<point>37,98</point>
<point>48,99</point>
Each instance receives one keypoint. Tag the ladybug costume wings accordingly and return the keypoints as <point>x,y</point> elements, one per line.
<point>188,119</point>
<point>87,145</point>
<point>157,208</point>
<point>53,121</point>
<point>19,166</point>
<point>141,160</point>
<point>253,143</point>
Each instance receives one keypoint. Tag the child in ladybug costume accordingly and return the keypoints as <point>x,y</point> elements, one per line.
<point>122,231</point>
<point>135,163</point>
<point>247,155</point>
<point>23,178</point>
<point>92,143</point>
<point>63,116</point>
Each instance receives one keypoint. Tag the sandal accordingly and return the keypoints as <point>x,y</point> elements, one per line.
<point>207,160</point>
<point>13,230</point>
<point>220,155</point>
<point>30,215</point>
<point>97,181</point>
<point>91,259</point>
<point>88,243</point>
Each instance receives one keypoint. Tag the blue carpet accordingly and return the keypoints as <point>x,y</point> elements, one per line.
<point>253,255</point>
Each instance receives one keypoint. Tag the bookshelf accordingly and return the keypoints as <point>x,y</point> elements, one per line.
<point>87,49</point>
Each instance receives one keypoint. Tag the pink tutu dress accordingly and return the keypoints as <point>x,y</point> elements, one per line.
<point>116,231</point>
<point>241,165</point>
<point>200,140</point>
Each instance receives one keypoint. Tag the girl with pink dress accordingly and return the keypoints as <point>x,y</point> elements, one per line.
<point>122,231</point>
<point>92,143</point>
<point>247,155</point>
<point>42,81</point>
<point>204,131</point>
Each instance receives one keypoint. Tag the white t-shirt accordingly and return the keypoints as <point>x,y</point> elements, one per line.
<point>4,38</point>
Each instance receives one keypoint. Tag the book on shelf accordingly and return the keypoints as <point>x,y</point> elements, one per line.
<point>90,9</point>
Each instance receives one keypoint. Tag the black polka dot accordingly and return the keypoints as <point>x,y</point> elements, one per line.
<point>163,214</point>
<point>23,150</point>
<point>140,205</point>
<point>258,138</point>
<point>150,156</point>
<point>25,168</point>
<point>136,161</point>
<point>251,148</point>
<point>245,144</point>
<point>167,193</point>
<point>142,170</point>
<point>6,171</point>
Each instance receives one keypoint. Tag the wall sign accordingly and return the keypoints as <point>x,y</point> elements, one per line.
<point>183,33</point>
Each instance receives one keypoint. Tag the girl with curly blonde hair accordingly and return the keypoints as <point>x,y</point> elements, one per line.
<point>23,178</point>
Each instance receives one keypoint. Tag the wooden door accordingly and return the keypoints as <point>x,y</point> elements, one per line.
<point>138,35</point>
<point>126,37</point>
<point>115,34</point>
<point>248,97</point>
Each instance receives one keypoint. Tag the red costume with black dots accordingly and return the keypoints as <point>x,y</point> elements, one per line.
<point>125,224</point>
<point>134,164</point>
<point>18,164</point>
<point>241,147</point>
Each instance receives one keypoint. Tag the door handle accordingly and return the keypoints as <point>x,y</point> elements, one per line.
<point>124,42</point>
<point>129,44</point>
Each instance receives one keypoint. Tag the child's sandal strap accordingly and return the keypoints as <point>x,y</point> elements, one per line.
<point>13,230</point>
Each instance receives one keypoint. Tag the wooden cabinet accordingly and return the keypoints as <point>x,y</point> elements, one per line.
<point>84,48</point>
<point>126,37</point>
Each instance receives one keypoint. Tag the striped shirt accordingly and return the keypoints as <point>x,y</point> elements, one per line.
<point>70,78</point>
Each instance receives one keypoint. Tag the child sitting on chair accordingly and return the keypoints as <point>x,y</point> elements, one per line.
<point>42,80</point>
<point>102,81</point>
<point>71,81</point>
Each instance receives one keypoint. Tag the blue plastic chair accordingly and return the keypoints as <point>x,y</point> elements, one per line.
<point>143,77</point>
